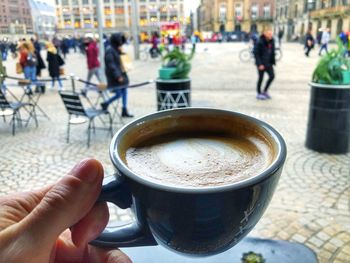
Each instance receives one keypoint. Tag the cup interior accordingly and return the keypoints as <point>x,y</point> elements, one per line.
<point>194,121</point>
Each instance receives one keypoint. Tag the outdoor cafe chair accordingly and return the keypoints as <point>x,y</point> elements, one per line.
<point>13,109</point>
<point>78,114</point>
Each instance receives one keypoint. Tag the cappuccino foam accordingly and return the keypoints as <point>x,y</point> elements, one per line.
<point>199,161</point>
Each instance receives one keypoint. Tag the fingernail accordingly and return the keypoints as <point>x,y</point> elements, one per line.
<point>87,170</point>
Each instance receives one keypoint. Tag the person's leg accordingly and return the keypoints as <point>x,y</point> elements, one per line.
<point>125,112</point>
<point>96,72</point>
<point>114,97</point>
<point>326,48</point>
<point>26,72</point>
<point>323,46</point>
<point>27,75</point>
<point>308,49</point>
<point>89,75</point>
<point>124,95</point>
<point>59,82</point>
<point>260,80</point>
<point>52,82</point>
<point>269,70</point>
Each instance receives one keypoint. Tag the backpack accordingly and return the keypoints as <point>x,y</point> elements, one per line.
<point>31,60</point>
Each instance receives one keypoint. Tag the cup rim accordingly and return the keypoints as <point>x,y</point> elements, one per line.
<point>269,171</point>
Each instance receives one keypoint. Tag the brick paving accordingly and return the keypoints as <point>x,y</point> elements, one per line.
<point>311,204</point>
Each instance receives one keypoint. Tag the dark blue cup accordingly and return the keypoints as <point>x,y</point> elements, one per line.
<point>193,221</point>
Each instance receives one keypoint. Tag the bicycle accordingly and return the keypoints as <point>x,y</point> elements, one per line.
<point>145,54</point>
<point>247,54</point>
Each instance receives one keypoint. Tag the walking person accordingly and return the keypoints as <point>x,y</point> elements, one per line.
<point>54,61</point>
<point>28,61</point>
<point>2,76</point>
<point>324,41</point>
<point>280,36</point>
<point>265,60</point>
<point>154,51</point>
<point>309,42</point>
<point>93,62</point>
<point>40,65</point>
<point>117,78</point>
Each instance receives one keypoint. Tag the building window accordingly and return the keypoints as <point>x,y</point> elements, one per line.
<point>286,11</point>
<point>295,10</point>
<point>333,3</point>
<point>238,11</point>
<point>267,11</point>
<point>305,6</point>
<point>222,13</point>
<point>254,11</point>
<point>75,2</point>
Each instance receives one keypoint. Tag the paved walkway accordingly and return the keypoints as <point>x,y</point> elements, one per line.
<point>311,204</point>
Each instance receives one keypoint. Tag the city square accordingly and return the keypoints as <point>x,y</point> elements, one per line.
<point>311,204</point>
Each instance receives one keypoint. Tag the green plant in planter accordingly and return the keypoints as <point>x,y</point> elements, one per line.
<point>333,68</point>
<point>180,61</point>
<point>252,257</point>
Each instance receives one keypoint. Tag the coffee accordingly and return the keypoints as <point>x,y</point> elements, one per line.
<point>199,159</point>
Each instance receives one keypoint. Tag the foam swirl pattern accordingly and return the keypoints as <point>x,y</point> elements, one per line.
<point>199,161</point>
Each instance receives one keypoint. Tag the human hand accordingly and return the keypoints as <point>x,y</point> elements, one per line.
<point>261,67</point>
<point>34,226</point>
<point>120,79</point>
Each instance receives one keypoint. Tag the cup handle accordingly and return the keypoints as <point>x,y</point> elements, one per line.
<point>114,190</point>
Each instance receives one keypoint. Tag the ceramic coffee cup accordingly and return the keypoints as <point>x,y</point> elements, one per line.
<point>193,221</point>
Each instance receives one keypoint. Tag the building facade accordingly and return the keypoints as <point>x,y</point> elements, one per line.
<point>15,17</point>
<point>44,18</point>
<point>334,14</point>
<point>295,17</point>
<point>235,15</point>
<point>80,15</point>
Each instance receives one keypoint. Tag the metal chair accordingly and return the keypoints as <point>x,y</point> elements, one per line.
<point>13,109</point>
<point>74,106</point>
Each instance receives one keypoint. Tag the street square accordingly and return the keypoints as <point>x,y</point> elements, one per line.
<point>311,204</point>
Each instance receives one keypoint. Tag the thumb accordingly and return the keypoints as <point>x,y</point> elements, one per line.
<point>66,202</point>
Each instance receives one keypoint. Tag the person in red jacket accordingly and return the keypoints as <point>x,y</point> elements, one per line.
<point>93,63</point>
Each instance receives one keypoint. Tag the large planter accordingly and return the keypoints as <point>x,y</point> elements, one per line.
<point>173,93</point>
<point>328,129</point>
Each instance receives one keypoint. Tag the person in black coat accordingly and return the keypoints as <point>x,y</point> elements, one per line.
<point>265,60</point>
<point>40,65</point>
<point>117,79</point>
<point>309,42</point>
<point>55,62</point>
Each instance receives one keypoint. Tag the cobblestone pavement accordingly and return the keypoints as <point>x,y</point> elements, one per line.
<point>311,204</point>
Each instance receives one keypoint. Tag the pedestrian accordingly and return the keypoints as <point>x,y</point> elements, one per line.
<point>93,62</point>
<point>65,47</point>
<point>319,36</point>
<point>324,41</point>
<point>4,49</point>
<point>106,42</point>
<point>2,76</point>
<point>40,65</point>
<point>117,78</point>
<point>280,36</point>
<point>28,61</point>
<point>154,51</point>
<point>54,61</point>
<point>309,42</point>
<point>265,60</point>
<point>345,40</point>
<point>193,41</point>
